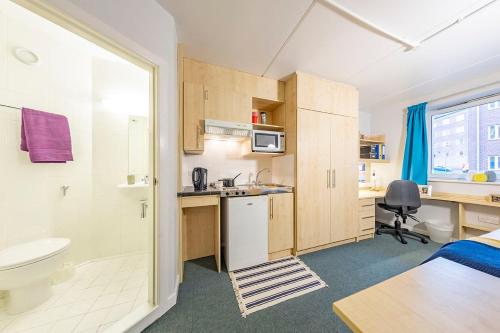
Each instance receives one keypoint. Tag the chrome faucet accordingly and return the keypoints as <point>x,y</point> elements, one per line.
<point>258,174</point>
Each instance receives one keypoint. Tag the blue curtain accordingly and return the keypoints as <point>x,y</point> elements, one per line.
<point>415,159</point>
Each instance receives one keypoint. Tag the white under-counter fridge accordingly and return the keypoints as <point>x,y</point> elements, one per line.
<point>245,231</point>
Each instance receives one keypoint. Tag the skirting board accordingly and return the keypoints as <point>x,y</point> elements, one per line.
<point>326,246</point>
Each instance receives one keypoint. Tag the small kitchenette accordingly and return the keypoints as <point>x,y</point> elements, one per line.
<point>231,204</point>
<point>268,168</point>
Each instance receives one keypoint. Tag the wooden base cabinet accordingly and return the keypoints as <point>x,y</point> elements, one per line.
<point>280,225</point>
<point>366,218</point>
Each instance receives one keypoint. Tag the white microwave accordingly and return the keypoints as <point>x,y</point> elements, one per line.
<point>268,141</point>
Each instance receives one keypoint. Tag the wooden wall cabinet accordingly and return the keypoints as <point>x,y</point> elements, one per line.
<point>213,92</point>
<point>226,104</point>
<point>281,215</point>
<point>194,115</point>
<point>318,94</point>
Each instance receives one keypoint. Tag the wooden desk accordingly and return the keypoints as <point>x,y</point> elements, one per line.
<point>199,229</point>
<point>439,296</point>
<point>460,199</point>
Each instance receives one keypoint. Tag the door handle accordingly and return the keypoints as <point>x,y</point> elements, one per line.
<point>328,178</point>
<point>144,209</point>
<point>271,213</point>
<point>197,136</point>
<point>334,181</point>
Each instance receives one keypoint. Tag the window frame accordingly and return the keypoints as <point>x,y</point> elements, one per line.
<point>496,162</point>
<point>432,112</point>
<point>496,132</point>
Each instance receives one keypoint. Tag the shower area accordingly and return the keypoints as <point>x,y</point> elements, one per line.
<point>102,201</point>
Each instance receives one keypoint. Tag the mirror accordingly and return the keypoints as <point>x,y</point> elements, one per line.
<point>138,137</point>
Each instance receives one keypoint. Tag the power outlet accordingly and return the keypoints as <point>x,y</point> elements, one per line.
<point>488,219</point>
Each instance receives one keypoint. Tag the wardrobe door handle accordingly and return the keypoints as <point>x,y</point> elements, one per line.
<point>198,136</point>
<point>333,178</point>
<point>328,178</point>
<point>271,209</point>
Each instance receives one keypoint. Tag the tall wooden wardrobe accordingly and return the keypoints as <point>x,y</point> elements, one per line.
<point>322,134</point>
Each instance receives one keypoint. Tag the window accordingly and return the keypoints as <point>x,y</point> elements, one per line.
<point>493,132</point>
<point>494,105</point>
<point>468,144</point>
<point>493,162</point>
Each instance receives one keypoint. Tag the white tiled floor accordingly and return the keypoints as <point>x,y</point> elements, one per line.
<point>101,292</point>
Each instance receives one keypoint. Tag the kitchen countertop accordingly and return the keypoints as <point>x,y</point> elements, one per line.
<point>188,191</point>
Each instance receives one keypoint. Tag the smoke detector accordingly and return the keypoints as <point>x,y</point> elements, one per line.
<point>26,56</point>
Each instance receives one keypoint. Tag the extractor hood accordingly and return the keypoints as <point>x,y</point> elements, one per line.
<point>227,128</point>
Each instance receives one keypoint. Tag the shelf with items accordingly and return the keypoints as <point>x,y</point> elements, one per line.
<point>272,111</point>
<point>373,160</point>
<point>372,148</point>
<point>246,151</point>
<point>267,127</point>
<point>262,154</point>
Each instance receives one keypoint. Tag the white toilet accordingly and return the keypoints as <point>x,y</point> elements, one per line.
<point>25,271</point>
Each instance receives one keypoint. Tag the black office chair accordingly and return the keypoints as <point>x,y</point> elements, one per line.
<point>403,199</point>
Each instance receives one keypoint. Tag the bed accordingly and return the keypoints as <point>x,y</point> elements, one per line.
<point>481,253</point>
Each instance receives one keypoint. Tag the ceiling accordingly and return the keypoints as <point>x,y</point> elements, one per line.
<point>276,38</point>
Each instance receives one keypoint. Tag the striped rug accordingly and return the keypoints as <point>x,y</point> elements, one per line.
<point>265,285</point>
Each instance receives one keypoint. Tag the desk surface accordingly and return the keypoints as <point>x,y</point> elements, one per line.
<point>439,296</point>
<point>441,196</point>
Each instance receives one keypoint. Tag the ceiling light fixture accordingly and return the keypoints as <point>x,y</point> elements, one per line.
<point>26,56</point>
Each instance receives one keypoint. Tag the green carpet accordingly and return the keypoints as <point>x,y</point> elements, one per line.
<point>206,301</point>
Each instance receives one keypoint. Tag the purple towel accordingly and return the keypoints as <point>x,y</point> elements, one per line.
<point>45,136</point>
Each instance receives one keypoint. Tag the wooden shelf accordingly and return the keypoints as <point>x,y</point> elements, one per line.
<point>480,227</point>
<point>260,154</point>
<point>267,127</point>
<point>373,160</point>
<point>363,142</point>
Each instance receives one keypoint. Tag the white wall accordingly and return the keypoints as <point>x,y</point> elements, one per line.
<point>365,122</point>
<point>146,28</point>
<point>223,159</point>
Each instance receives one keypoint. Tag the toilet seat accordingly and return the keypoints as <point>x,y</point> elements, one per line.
<point>31,252</point>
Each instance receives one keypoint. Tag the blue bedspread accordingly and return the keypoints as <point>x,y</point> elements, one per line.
<point>483,257</point>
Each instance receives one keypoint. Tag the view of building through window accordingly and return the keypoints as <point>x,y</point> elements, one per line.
<point>466,141</point>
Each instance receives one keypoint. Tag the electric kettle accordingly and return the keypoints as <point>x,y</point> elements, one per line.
<point>199,178</point>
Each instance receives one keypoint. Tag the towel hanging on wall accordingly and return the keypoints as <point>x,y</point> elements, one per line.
<point>46,136</point>
<point>416,149</point>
